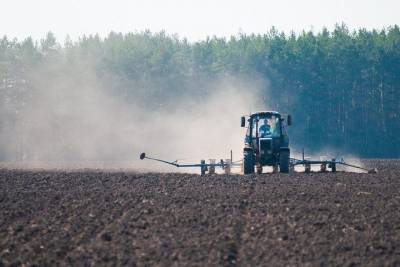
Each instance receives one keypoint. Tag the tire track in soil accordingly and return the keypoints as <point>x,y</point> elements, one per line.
<point>235,246</point>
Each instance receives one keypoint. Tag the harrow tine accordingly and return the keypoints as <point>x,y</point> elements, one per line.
<point>358,167</point>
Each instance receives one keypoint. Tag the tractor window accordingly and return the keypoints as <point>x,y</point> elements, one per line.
<point>268,126</point>
<point>247,138</point>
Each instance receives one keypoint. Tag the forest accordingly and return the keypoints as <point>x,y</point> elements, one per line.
<point>342,87</point>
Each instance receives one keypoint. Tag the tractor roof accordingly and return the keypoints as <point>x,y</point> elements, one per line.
<point>267,112</point>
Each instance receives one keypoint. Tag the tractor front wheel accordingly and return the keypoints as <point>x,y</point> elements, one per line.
<point>248,162</point>
<point>284,160</point>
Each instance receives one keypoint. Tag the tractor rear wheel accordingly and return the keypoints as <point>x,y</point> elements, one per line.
<point>248,162</point>
<point>284,160</point>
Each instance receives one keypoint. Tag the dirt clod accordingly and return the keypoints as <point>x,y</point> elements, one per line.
<point>106,237</point>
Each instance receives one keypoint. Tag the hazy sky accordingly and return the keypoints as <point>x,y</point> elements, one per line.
<point>194,19</point>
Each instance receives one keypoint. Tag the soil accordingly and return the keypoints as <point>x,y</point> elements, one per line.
<point>98,217</point>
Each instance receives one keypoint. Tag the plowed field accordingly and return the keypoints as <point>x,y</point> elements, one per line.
<point>93,217</point>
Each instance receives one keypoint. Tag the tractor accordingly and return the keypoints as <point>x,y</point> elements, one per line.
<point>266,142</point>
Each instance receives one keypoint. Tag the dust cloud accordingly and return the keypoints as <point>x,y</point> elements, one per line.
<point>69,119</point>
<point>205,130</point>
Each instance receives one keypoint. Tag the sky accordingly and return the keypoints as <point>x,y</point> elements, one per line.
<point>191,19</point>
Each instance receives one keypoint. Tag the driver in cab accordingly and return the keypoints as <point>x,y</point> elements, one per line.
<point>265,129</point>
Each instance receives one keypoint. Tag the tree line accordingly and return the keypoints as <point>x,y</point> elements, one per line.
<point>342,87</point>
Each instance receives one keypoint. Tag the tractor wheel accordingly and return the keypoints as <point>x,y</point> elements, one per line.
<point>259,169</point>
<point>284,160</point>
<point>248,162</point>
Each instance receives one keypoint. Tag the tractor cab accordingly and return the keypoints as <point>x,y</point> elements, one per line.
<point>266,142</point>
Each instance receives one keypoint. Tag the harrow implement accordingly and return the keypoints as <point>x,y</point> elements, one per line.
<point>226,165</point>
<point>324,164</point>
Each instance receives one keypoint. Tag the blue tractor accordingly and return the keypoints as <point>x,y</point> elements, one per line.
<point>266,142</point>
